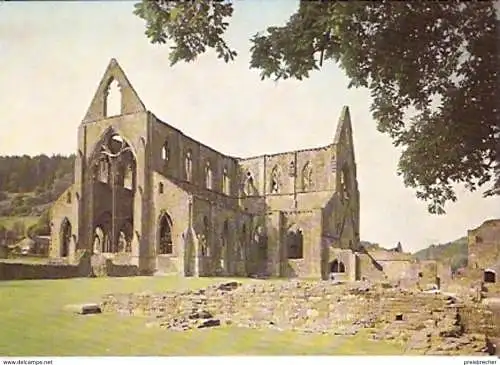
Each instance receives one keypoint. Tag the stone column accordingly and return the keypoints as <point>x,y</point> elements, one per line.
<point>352,267</point>
<point>81,169</point>
<point>196,251</point>
<point>274,233</point>
<point>72,249</point>
<point>211,264</point>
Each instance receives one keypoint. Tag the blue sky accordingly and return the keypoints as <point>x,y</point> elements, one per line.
<point>53,54</point>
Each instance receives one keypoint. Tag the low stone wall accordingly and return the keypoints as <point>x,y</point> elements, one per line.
<point>103,266</point>
<point>167,264</point>
<point>296,268</point>
<point>60,269</point>
<point>24,271</point>
<point>426,322</point>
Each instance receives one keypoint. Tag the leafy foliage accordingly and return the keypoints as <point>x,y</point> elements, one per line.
<point>29,184</point>
<point>21,174</point>
<point>431,67</point>
<point>192,26</point>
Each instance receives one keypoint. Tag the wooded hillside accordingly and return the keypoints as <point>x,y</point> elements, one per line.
<point>29,184</point>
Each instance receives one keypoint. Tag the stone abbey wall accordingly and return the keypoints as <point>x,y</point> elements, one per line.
<point>134,172</point>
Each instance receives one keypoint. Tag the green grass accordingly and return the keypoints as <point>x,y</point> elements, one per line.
<point>33,322</point>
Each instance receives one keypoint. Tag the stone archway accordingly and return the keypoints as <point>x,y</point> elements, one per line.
<point>113,186</point>
<point>102,233</point>
<point>337,266</point>
<point>125,237</point>
<point>99,239</point>
<point>295,242</point>
<point>490,276</point>
<point>65,237</point>
<point>165,243</point>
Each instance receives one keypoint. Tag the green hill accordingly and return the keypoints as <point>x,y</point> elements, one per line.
<point>28,187</point>
<point>453,253</point>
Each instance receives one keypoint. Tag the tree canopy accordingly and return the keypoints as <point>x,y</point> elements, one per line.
<point>431,68</point>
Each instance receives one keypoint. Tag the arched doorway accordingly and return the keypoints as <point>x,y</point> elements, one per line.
<point>165,243</point>
<point>102,233</point>
<point>490,276</point>
<point>125,237</point>
<point>65,237</point>
<point>295,243</point>
<point>337,266</point>
<point>99,239</point>
<point>260,240</point>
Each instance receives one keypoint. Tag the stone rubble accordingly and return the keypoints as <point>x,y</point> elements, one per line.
<point>426,323</point>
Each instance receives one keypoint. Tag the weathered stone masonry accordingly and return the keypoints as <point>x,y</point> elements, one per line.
<point>425,323</point>
<point>147,195</point>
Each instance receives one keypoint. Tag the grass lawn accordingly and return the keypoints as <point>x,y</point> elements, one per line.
<point>33,322</point>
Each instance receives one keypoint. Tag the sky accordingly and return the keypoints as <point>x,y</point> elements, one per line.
<point>53,55</point>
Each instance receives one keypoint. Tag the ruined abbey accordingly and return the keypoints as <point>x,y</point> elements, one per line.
<point>147,195</point>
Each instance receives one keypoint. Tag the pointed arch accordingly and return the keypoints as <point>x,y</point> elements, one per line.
<point>188,165</point>
<point>110,148</point>
<point>337,266</point>
<point>165,242</point>
<point>242,242</point>
<point>113,105</point>
<point>490,276</point>
<point>260,239</point>
<point>345,183</point>
<point>65,237</point>
<point>275,182</point>
<point>209,178</point>
<point>104,222</point>
<point>295,242</point>
<point>99,239</point>
<point>104,139</point>
<point>226,181</point>
<point>307,177</point>
<point>205,243</point>
<point>291,168</point>
<point>125,237</point>
<point>249,184</point>
<point>165,152</point>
